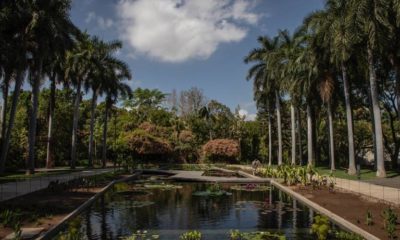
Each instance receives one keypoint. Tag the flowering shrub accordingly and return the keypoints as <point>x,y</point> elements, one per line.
<point>142,143</point>
<point>221,150</point>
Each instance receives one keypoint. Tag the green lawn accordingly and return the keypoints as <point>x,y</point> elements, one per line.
<point>20,176</point>
<point>365,173</point>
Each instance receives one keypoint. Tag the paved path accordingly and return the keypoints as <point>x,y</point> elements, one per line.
<point>15,189</point>
<point>378,192</point>
<point>197,176</point>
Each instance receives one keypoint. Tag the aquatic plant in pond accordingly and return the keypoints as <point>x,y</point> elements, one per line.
<point>321,227</point>
<point>237,235</point>
<point>213,190</point>
<point>176,211</point>
<point>191,235</point>
<point>142,235</point>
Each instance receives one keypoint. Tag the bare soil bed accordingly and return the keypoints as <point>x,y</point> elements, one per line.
<point>46,208</point>
<point>351,207</point>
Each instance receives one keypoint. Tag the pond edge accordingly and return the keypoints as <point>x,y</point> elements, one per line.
<point>49,234</point>
<point>343,223</point>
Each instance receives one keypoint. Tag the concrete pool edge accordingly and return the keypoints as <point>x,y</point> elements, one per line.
<point>343,223</point>
<point>53,231</point>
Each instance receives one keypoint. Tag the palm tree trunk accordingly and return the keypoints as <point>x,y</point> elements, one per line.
<point>14,104</point>
<point>7,79</point>
<point>279,122</point>
<point>104,156</point>
<point>92,113</point>
<point>377,116</point>
<point>30,164</point>
<point>52,102</point>
<point>300,142</point>
<point>331,142</point>
<point>349,116</point>
<point>269,139</point>
<point>293,118</point>
<point>75,124</point>
<point>310,140</point>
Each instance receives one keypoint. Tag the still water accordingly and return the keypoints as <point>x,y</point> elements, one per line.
<point>172,211</point>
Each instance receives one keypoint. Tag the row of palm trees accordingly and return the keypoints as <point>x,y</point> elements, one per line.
<point>345,44</point>
<point>39,42</point>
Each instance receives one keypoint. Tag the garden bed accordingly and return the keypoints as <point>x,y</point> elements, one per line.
<point>47,207</point>
<point>220,173</point>
<point>351,207</point>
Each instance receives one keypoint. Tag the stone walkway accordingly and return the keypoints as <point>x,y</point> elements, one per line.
<point>382,193</point>
<point>197,176</point>
<point>11,190</point>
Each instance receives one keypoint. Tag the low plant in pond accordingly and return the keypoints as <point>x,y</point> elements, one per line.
<point>250,187</point>
<point>142,235</point>
<point>321,227</point>
<point>213,190</point>
<point>237,235</point>
<point>191,235</point>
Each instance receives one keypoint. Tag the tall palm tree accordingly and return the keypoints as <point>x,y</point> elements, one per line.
<point>337,27</point>
<point>117,72</point>
<point>79,63</point>
<point>14,21</point>
<point>50,24</point>
<point>265,81</point>
<point>372,16</point>
<point>96,79</point>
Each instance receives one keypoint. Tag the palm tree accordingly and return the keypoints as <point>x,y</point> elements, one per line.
<point>117,71</point>
<point>372,17</point>
<point>336,23</point>
<point>265,83</point>
<point>79,63</point>
<point>50,24</point>
<point>14,20</point>
<point>96,79</point>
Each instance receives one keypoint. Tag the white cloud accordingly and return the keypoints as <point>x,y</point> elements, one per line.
<point>248,116</point>
<point>178,30</point>
<point>101,22</point>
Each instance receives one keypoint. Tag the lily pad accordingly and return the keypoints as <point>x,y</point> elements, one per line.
<point>134,193</point>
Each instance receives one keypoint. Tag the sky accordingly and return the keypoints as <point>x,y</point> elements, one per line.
<point>179,44</point>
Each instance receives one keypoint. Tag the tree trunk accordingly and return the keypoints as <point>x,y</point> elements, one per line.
<point>331,141</point>
<point>377,116</point>
<point>293,118</point>
<point>299,137</point>
<point>310,140</point>
<point>349,116</point>
<point>75,124</point>
<point>7,79</point>
<point>14,104</point>
<point>269,139</point>
<point>52,102</point>
<point>104,156</point>
<point>30,164</point>
<point>279,122</point>
<point>92,116</point>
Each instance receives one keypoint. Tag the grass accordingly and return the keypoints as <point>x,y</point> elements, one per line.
<point>365,174</point>
<point>20,176</point>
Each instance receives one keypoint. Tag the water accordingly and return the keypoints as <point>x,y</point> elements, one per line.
<point>169,213</point>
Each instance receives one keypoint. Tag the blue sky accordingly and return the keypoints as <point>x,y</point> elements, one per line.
<point>177,44</point>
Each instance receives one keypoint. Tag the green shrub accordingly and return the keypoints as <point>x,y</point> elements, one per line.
<point>191,235</point>
<point>321,227</point>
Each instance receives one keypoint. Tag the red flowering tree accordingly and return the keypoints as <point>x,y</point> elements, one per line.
<point>225,150</point>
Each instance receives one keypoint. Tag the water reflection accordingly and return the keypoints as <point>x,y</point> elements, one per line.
<point>171,212</point>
